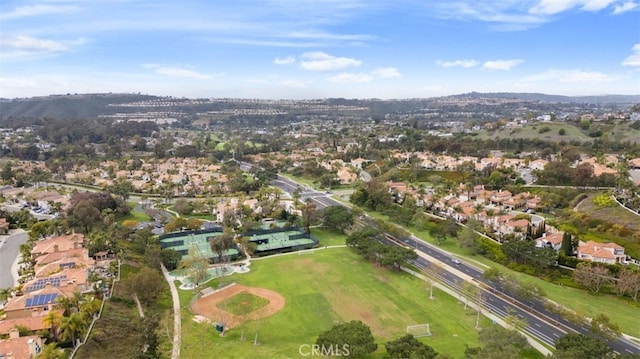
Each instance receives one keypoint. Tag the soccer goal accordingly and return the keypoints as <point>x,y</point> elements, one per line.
<point>419,330</point>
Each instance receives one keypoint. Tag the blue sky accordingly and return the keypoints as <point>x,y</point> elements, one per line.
<point>299,49</point>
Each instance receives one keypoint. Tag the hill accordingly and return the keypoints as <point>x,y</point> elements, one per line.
<point>66,106</point>
<point>540,97</point>
<point>90,106</point>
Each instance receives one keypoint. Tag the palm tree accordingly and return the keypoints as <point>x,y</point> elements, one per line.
<point>53,320</point>
<point>5,293</point>
<point>74,326</point>
<point>66,304</point>
<point>51,351</point>
<point>91,308</point>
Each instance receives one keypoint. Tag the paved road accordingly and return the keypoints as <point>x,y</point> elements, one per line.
<point>321,199</point>
<point>542,324</point>
<point>9,251</point>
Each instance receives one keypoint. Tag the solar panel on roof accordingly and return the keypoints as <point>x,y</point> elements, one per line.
<point>68,265</point>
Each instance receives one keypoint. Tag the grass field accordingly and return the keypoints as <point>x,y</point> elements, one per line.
<point>242,303</point>
<point>328,287</point>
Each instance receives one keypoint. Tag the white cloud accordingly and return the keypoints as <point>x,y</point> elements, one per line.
<point>36,10</point>
<point>457,63</point>
<point>569,76</point>
<point>321,61</point>
<point>627,6</point>
<point>28,47</point>
<point>346,77</point>
<point>501,64</point>
<point>386,73</point>
<point>284,61</point>
<point>31,44</point>
<point>180,72</point>
<point>551,7</point>
<point>634,58</point>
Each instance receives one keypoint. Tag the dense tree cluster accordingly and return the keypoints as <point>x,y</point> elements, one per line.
<point>366,243</point>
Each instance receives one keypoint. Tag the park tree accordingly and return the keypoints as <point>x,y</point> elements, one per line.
<point>628,282</point>
<point>146,284</point>
<point>86,215</point>
<point>149,337</point>
<point>7,173</point>
<point>221,244</point>
<point>580,346</point>
<point>439,232</point>
<point>396,256</point>
<point>514,321</point>
<point>601,325</point>
<point>409,347</point>
<point>592,276</point>
<point>183,206</point>
<point>337,218</point>
<point>170,258</point>
<point>355,335</point>
<point>152,255</point>
<point>498,342</point>
<point>177,224</point>
<point>309,214</point>
<point>121,188</point>
<point>360,239</point>
<point>194,266</point>
<point>468,238</point>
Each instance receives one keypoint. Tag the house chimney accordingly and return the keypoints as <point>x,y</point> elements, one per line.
<point>55,248</point>
<point>34,347</point>
<point>14,333</point>
<point>75,245</point>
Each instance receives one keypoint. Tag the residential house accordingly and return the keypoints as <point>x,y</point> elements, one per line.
<point>609,253</point>
<point>57,244</point>
<point>551,240</point>
<point>498,198</point>
<point>33,304</point>
<point>17,347</point>
<point>538,164</point>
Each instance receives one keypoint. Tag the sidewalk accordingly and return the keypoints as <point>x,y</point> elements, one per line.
<point>177,317</point>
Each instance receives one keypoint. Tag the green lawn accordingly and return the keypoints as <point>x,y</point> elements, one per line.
<point>327,238</point>
<point>328,287</point>
<point>135,215</point>
<point>242,303</point>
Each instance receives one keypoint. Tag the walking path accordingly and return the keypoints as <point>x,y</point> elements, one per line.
<point>177,318</point>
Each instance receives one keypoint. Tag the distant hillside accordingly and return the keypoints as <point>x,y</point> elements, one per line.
<point>89,106</point>
<point>540,97</point>
<point>65,106</point>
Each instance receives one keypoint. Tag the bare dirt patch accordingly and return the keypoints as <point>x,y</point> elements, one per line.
<point>208,306</point>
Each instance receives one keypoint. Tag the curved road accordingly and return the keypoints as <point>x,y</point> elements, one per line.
<point>9,253</point>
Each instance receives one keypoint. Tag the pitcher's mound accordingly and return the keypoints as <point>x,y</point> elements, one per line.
<point>221,306</point>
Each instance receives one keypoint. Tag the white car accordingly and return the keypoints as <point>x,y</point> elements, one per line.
<point>455,260</point>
